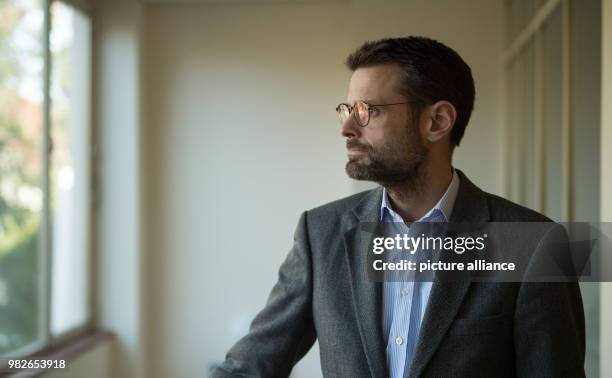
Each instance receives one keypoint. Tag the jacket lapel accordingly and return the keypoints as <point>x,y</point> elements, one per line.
<point>367,294</point>
<point>447,295</point>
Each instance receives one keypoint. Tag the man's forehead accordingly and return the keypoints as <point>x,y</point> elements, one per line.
<point>374,83</point>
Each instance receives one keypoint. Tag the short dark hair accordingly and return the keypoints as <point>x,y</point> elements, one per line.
<point>431,72</point>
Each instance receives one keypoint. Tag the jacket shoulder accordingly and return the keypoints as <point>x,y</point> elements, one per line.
<point>503,210</point>
<point>324,224</point>
<point>340,206</point>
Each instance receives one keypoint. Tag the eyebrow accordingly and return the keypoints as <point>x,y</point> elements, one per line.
<point>368,101</point>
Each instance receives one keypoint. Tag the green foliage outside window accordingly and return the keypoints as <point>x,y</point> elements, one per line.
<point>20,171</point>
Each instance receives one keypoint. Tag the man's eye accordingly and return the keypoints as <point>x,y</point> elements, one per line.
<point>372,110</point>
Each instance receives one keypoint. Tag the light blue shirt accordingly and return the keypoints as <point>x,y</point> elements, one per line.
<point>398,296</point>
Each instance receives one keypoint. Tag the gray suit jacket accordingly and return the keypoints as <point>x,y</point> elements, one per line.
<point>469,329</point>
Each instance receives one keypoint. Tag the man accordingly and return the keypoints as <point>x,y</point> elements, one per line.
<point>409,102</point>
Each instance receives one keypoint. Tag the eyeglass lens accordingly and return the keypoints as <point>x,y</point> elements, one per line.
<point>360,110</point>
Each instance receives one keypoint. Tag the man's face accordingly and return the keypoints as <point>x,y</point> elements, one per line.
<point>389,150</point>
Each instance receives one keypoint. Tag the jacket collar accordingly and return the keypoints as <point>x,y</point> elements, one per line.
<point>470,204</point>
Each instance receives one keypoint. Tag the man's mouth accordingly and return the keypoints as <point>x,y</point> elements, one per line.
<point>354,148</point>
<point>355,151</point>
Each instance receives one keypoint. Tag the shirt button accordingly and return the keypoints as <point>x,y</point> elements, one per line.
<point>404,292</point>
<point>399,340</point>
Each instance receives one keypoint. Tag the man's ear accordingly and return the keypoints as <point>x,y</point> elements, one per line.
<point>442,116</point>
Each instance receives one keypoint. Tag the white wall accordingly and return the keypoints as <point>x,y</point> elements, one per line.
<point>238,136</point>
<point>241,136</point>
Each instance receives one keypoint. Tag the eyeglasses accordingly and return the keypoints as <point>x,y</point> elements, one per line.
<point>361,111</point>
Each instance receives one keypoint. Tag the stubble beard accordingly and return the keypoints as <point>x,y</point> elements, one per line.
<point>398,163</point>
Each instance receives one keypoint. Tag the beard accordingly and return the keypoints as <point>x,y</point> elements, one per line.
<point>399,161</point>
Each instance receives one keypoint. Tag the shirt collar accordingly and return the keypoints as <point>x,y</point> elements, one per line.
<point>445,203</point>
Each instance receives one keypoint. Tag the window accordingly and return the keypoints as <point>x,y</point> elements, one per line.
<point>44,173</point>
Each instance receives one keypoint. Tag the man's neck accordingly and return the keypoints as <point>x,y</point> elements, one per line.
<point>412,201</point>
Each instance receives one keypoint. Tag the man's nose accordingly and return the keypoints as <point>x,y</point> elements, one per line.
<point>349,128</point>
